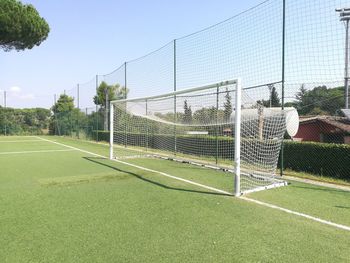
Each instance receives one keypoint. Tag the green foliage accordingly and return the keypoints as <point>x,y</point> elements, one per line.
<point>318,158</point>
<point>227,106</point>
<point>113,92</point>
<point>101,135</point>
<point>21,26</point>
<point>319,101</point>
<point>66,120</point>
<point>274,100</point>
<point>187,117</point>
<point>63,104</point>
<point>23,121</point>
<point>205,115</point>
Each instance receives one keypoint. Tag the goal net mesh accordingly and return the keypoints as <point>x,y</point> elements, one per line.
<point>198,126</point>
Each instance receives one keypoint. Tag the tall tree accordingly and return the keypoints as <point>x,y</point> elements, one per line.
<point>319,100</point>
<point>227,106</point>
<point>301,93</point>
<point>63,104</point>
<point>113,92</point>
<point>65,116</point>
<point>274,98</point>
<point>21,26</point>
<point>106,93</point>
<point>273,101</point>
<point>187,117</point>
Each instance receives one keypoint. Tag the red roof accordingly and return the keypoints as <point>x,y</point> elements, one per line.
<point>339,122</point>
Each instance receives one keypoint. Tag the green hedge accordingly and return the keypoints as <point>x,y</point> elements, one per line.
<point>100,136</point>
<point>325,159</point>
<point>166,142</point>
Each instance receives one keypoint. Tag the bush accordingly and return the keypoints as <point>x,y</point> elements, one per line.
<point>100,136</point>
<point>325,159</point>
<point>317,158</point>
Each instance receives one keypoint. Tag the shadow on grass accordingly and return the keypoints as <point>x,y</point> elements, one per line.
<point>343,207</point>
<point>321,188</point>
<point>97,160</point>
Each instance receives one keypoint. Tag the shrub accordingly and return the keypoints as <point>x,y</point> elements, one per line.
<point>323,159</point>
<point>326,159</point>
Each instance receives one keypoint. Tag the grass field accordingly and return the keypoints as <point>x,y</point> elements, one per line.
<point>61,204</point>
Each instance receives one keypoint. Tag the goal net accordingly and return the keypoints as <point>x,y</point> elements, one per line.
<point>217,126</point>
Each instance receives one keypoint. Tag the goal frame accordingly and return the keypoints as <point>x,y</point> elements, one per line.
<point>237,109</point>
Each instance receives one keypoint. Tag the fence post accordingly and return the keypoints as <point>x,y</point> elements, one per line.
<point>146,125</point>
<point>216,125</point>
<point>283,77</point>
<point>125,85</point>
<point>97,113</point>
<point>5,112</point>
<point>175,113</point>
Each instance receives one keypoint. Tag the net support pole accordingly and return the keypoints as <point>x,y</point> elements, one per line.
<point>346,78</point>
<point>5,118</point>
<point>97,113</point>
<point>78,106</point>
<point>283,76</point>
<point>216,126</point>
<point>126,88</point>
<point>111,128</point>
<point>175,87</point>
<point>237,139</point>
<point>78,97</point>
<point>146,126</point>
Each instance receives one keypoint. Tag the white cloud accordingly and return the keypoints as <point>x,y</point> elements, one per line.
<point>16,92</point>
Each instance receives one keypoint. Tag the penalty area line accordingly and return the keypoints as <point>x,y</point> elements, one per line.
<point>39,151</point>
<point>316,219</point>
<point>326,222</point>
<point>20,141</point>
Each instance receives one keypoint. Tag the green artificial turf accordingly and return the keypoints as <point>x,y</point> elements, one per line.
<point>75,207</point>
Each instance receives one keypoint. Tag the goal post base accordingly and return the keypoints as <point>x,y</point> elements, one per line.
<point>267,187</point>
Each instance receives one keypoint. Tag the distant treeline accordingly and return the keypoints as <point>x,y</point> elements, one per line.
<point>24,121</point>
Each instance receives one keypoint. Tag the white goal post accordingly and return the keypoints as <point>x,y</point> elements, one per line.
<point>219,125</point>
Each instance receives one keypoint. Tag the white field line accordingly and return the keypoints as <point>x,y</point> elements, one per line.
<point>20,141</point>
<point>297,213</point>
<point>18,136</point>
<point>39,151</point>
<point>326,222</point>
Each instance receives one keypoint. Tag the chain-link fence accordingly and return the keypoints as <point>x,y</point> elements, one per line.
<point>291,51</point>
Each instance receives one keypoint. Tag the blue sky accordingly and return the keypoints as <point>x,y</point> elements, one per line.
<point>95,37</point>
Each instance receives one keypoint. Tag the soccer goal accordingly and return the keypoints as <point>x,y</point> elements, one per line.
<point>219,126</point>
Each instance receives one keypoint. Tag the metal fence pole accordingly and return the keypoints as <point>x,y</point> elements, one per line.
<point>283,76</point>
<point>97,113</point>
<point>175,113</point>
<point>125,85</point>
<point>216,125</point>
<point>5,119</point>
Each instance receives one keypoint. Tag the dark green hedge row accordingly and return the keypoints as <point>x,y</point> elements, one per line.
<point>167,142</point>
<point>100,136</point>
<point>325,159</point>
